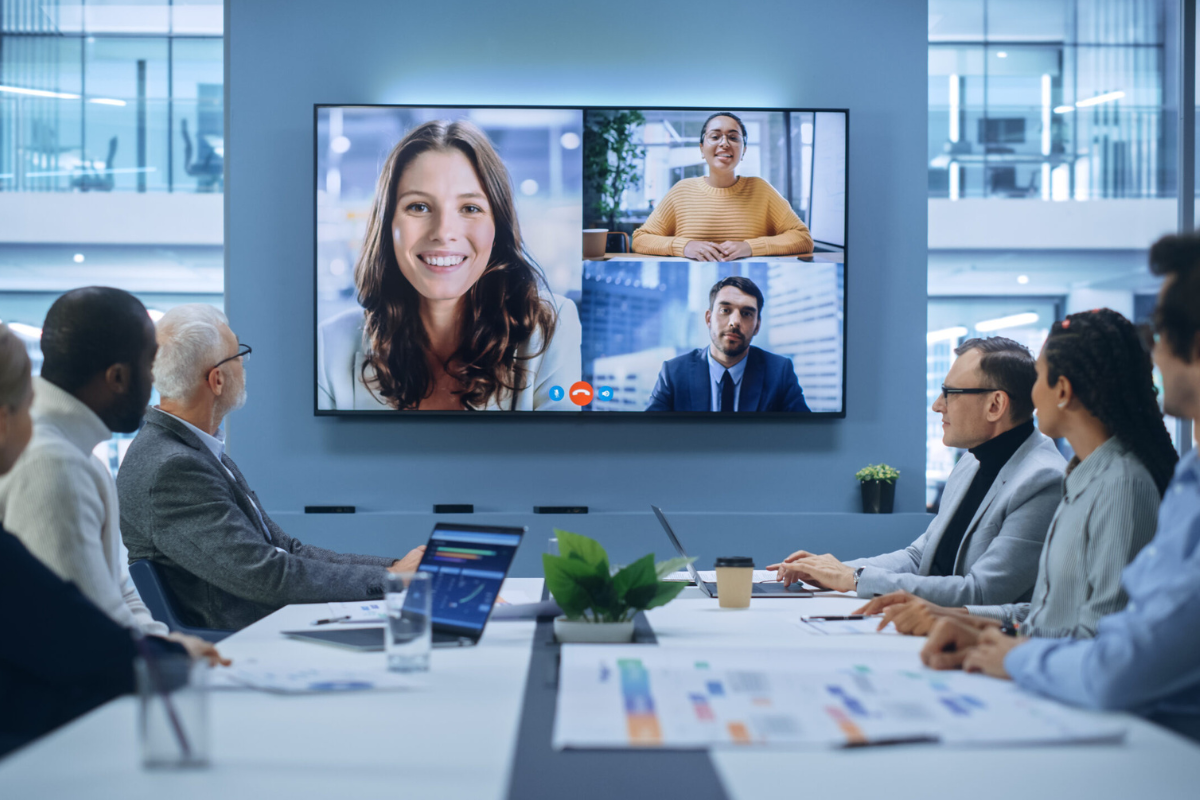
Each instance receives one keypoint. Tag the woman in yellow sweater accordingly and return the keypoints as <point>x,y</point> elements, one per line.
<point>722,217</point>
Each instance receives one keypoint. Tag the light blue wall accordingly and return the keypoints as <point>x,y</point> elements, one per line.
<point>867,55</point>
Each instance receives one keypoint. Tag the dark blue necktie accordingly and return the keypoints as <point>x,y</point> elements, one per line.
<point>727,392</point>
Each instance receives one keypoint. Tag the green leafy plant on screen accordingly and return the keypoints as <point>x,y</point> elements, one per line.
<point>610,159</point>
<point>877,472</point>
<point>586,590</point>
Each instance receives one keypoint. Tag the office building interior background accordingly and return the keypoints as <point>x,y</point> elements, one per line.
<point>1051,151</point>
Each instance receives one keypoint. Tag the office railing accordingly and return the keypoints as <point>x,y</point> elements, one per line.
<point>68,143</point>
<point>1095,152</point>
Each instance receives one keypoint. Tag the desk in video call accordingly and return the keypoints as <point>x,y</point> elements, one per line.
<point>832,258</point>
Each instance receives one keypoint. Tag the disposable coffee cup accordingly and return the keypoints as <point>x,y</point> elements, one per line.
<point>595,242</point>
<point>735,581</point>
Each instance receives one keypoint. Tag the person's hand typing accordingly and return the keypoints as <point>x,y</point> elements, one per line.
<point>824,571</point>
<point>703,251</point>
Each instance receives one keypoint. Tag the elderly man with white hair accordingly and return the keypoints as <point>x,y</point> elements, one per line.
<point>187,507</point>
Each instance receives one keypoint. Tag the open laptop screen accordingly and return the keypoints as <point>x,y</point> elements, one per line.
<point>468,564</point>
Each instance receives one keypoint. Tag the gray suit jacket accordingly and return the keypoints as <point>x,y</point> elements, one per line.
<point>997,560</point>
<point>181,510</point>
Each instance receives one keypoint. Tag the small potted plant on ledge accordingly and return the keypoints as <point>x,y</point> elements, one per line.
<point>598,604</point>
<point>878,482</point>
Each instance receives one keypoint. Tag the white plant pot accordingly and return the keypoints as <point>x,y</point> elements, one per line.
<point>577,632</point>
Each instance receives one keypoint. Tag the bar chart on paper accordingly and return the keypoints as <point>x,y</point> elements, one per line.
<point>636,697</point>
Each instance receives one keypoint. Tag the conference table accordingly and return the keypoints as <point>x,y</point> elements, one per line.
<point>460,733</point>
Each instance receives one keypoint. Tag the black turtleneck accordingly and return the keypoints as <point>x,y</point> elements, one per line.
<point>992,455</point>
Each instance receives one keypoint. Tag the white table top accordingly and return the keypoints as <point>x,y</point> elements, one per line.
<point>456,737</point>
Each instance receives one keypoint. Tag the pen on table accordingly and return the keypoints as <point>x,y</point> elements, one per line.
<point>331,619</point>
<point>836,618</point>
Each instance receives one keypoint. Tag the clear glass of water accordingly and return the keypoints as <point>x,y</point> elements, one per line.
<point>408,636</point>
<point>173,712</point>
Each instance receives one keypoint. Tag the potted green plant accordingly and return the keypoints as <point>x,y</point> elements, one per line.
<point>610,159</point>
<point>599,604</point>
<point>878,482</point>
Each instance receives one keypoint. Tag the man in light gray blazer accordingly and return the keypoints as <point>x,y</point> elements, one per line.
<point>983,546</point>
<point>187,507</point>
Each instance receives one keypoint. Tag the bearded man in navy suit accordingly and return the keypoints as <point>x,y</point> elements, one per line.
<point>729,375</point>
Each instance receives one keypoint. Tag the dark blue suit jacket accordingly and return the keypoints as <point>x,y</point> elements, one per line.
<point>769,384</point>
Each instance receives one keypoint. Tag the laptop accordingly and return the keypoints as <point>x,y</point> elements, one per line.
<point>772,589</point>
<point>468,564</point>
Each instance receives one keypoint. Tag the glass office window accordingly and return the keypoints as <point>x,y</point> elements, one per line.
<point>102,102</point>
<point>1052,160</point>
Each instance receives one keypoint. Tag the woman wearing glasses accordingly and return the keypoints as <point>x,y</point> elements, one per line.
<point>455,315</point>
<point>722,217</point>
<point>1094,388</point>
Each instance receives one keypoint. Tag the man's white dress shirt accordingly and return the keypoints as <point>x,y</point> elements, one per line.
<point>61,502</point>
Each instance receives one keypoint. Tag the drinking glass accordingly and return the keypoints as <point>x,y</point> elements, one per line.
<point>173,711</point>
<point>408,635</point>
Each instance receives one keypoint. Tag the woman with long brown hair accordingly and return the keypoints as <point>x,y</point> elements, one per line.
<point>455,315</point>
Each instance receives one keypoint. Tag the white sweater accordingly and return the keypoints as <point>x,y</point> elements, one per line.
<point>61,502</point>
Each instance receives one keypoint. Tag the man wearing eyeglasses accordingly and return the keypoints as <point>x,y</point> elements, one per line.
<point>723,216</point>
<point>984,544</point>
<point>187,507</point>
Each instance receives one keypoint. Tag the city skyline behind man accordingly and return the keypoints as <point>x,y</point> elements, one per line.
<point>730,374</point>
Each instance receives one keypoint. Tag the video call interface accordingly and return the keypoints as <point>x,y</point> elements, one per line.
<point>468,569</point>
<point>578,260</point>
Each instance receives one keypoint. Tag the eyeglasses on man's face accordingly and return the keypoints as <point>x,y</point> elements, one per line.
<point>715,137</point>
<point>947,391</point>
<point>243,353</point>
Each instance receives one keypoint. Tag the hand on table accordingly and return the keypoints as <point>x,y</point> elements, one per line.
<point>410,562</point>
<point>910,614</point>
<point>198,648</point>
<point>735,250</point>
<point>987,656</point>
<point>951,639</point>
<point>824,571</point>
<point>703,251</point>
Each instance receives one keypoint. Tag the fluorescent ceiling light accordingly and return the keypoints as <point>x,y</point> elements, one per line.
<point>106,101</point>
<point>27,331</point>
<point>1002,54</point>
<point>1022,279</point>
<point>945,334</point>
<point>1100,98</point>
<point>1011,321</point>
<point>38,93</point>
<point>1063,109</point>
<point>78,258</point>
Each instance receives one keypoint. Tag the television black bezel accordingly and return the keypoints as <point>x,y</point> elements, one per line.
<point>583,415</point>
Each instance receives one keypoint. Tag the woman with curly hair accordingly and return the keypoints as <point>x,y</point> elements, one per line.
<point>1095,389</point>
<point>455,315</point>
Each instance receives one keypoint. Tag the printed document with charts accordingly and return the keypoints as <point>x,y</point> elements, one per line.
<point>625,696</point>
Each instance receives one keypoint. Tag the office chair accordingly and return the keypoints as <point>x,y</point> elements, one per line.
<point>150,586</point>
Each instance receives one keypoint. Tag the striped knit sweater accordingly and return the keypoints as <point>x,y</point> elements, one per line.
<point>750,211</point>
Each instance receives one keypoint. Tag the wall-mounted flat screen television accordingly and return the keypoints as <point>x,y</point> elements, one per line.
<point>554,261</point>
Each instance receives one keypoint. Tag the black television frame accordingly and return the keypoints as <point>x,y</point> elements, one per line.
<point>582,415</point>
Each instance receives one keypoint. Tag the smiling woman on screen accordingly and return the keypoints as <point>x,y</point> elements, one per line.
<point>455,315</point>
<point>722,217</point>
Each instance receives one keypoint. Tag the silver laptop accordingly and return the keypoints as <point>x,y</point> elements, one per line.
<point>773,589</point>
